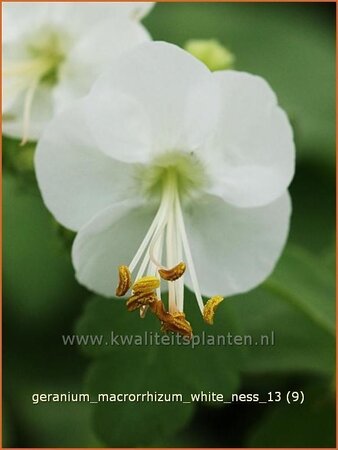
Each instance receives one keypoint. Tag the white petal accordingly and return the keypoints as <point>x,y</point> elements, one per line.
<point>79,17</point>
<point>11,90</point>
<point>76,179</point>
<point>107,40</point>
<point>104,42</point>
<point>20,17</point>
<point>176,96</point>
<point>12,86</point>
<point>235,249</point>
<point>109,240</point>
<point>134,10</point>
<point>74,82</point>
<point>130,139</point>
<point>42,111</point>
<point>252,154</point>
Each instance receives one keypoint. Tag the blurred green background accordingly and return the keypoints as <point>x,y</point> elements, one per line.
<point>292,45</point>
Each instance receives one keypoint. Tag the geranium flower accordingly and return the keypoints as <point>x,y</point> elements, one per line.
<point>53,51</point>
<point>173,173</point>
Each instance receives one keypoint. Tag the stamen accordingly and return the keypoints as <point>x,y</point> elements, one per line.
<point>155,227</point>
<point>146,285</point>
<point>179,285</point>
<point>153,269</point>
<point>27,110</point>
<point>210,308</point>
<point>175,322</point>
<point>139,300</point>
<point>171,259</point>
<point>159,310</point>
<point>188,254</point>
<point>154,242</point>
<point>27,74</point>
<point>167,225</point>
<point>147,238</point>
<point>124,281</point>
<point>174,273</point>
<point>143,311</point>
<point>143,266</point>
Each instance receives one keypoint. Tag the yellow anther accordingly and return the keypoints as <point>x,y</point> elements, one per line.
<point>146,285</point>
<point>138,300</point>
<point>124,281</point>
<point>159,310</point>
<point>178,324</point>
<point>171,322</point>
<point>174,273</point>
<point>210,308</point>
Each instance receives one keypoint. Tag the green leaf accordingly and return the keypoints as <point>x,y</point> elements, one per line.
<point>313,193</point>
<point>140,370</point>
<point>310,425</point>
<point>299,345</point>
<point>305,282</point>
<point>162,368</point>
<point>58,424</point>
<point>8,427</point>
<point>297,305</point>
<point>18,160</point>
<point>329,257</point>
<point>43,365</point>
<point>39,283</point>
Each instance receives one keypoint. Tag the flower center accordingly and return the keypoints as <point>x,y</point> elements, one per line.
<point>172,177</point>
<point>41,57</point>
<point>189,173</point>
<point>48,46</point>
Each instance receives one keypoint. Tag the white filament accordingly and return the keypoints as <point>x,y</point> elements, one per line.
<point>27,110</point>
<point>167,229</point>
<point>188,255</point>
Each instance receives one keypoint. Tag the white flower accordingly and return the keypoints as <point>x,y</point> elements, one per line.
<point>53,51</point>
<point>165,162</point>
